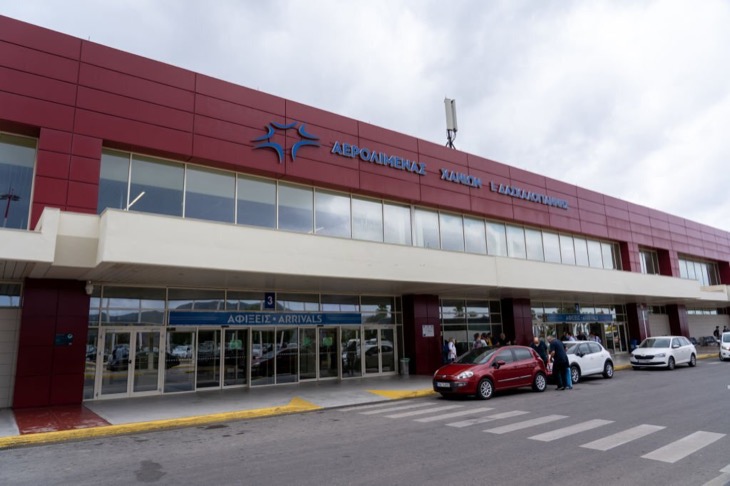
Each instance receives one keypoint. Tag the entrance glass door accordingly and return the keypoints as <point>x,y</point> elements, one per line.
<point>180,367</point>
<point>147,356</point>
<point>351,352</point>
<point>287,356</point>
<point>372,351</point>
<point>379,350</point>
<point>114,370</point>
<point>308,353</point>
<point>328,353</point>
<point>263,354</point>
<point>129,363</point>
<point>387,350</point>
<point>208,374</point>
<point>235,361</point>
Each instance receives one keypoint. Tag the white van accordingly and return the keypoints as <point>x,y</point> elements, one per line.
<point>725,346</point>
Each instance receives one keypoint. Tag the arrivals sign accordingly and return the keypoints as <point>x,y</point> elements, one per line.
<point>579,318</point>
<point>187,318</point>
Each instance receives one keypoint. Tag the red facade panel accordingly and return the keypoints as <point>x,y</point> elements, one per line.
<point>30,35</point>
<point>240,115</point>
<point>486,165</point>
<point>439,152</point>
<point>85,170</point>
<point>52,164</point>
<point>224,90</point>
<point>38,62</point>
<point>86,146</point>
<point>55,141</point>
<point>312,116</point>
<point>50,191</point>
<point>35,112</point>
<point>445,199</point>
<point>382,136</point>
<point>18,82</point>
<point>381,185</point>
<point>83,195</point>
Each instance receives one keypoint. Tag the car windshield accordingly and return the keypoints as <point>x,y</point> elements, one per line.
<point>726,338</point>
<point>477,356</point>
<point>570,346</point>
<point>655,343</point>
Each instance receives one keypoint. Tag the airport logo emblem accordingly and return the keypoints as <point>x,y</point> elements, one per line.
<point>307,139</point>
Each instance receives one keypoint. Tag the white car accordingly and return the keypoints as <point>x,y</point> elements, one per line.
<point>588,358</point>
<point>664,351</point>
<point>725,346</point>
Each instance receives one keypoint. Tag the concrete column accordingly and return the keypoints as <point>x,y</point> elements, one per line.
<point>517,320</point>
<point>638,321</point>
<point>420,316</point>
<point>678,320</point>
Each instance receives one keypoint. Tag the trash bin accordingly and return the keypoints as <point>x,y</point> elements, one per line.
<point>404,366</point>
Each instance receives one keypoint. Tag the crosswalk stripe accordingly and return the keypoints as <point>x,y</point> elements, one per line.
<point>424,411</point>
<point>721,480</point>
<point>725,469</point>
<point>570,430</point>
<point>451,415</point>
<point>683,447</point>
<point>367,407</point>
<point>396,409</point>
<point>623,437</point>
<point>527,423</point>
<point>489,418</point>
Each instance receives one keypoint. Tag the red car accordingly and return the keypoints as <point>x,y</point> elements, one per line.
<point>482,371</point>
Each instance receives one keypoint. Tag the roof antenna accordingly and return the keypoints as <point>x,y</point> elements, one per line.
<point>451,127</point>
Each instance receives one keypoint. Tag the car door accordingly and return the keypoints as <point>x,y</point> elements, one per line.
<point>524,364</point>
<point>580,356</point>
<point>679,351</point>
<point>504,370</point>
<point>596,357</point>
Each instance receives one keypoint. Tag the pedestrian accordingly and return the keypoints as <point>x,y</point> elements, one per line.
<point>502,340</point>
<point>452,350</point>
<point>539,347</point>
<point>478,341</point>
<point>445,352</point>
<point>487,340</point>
<point>559,359</point>
<point>716,333</point>
<point>724,328</point>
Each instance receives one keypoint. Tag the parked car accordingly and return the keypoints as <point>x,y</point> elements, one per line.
<point>725,346</point>
<point>482,371</point>
<point>664,351</point>
<point>183,351</point>
<point>588,358</point>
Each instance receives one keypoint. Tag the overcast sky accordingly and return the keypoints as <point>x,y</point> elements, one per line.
<point>629,98</point>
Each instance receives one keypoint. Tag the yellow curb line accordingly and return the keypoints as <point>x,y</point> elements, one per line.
<point>401,394</point>
<point>296,405</point>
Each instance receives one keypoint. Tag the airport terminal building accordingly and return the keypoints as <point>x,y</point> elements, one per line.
<point>167,232</point>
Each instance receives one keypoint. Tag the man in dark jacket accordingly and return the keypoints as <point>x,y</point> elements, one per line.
<point>540,348</point>
<point>560,360</point>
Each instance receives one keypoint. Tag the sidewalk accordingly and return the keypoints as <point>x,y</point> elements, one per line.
<point>143,414</point>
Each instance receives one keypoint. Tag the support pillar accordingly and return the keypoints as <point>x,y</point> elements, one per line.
<point>678,320</point>
<point>420,316</point>
<point>637,316</point>
<point>517,320</point>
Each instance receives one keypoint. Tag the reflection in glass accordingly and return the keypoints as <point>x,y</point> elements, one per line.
<point>452,232</point>
<point>17,160</point>
<point>567,251</point>
<point>256,202</point>
<point>608,259</point>
<point>115,379</point>
<point>372,351</point>
<point>208,359</point>
<point>351,352</point>
<point>581,251</point>
<point>328,353</point>
<point>195,299</point>
<point>397,221</point>
<point>287,356</point>
<point>551,246</point>
<point>533,240</point>
<point>113,180</point>
<point>244,301</point>
<point>516,242</point>
<point>594,254</point>
<point>332,214</point>
<point>181,377</point>
<point>210,194</point>
<point>161,183</point>
<point>297,302</point>
<point>387,350</point>
<point>426,228</point>
<point>147,361</point>
<point>308,353</point>
<point>262,357</point>
<point>496,239</point>
<point>90,363</point>
<point>340,303</point>
<point>475,236</point>
<point>296,211</point>
<point>367,219</point>
<point>235,360</point>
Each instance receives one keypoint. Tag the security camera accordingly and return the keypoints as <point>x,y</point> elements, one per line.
<point>89,287</point>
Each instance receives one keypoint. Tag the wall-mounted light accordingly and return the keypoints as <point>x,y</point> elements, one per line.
<point>89,288</point>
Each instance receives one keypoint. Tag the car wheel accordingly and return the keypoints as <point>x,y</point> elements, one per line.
<point>485,389</point>
<point>692,361</point>
<point>670,363</point>
<point>636,367</point>
<point>539,384</point>
<point>575,374</point>
<point>608,369</point>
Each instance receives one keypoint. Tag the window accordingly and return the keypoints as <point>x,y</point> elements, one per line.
<point>496,239</point>
<point>581,251</point>
<point>296,211</point>
<point>397,224</point>
<point>244,301</point>
<point>452,232</point>
<point>332,214</point>
<point>567,252</point>
<point>649,262</point>
<point>426,228</point>
<point>367,219</point>
<point>609,262</point>
<point>533,240</point>
<point>298,302</point>
<point>132,306</point>
<point>516,242</point>
<point>256,202</point>
<point>210,195</point>
<point>195,299</point>
<point>551,242</point>
<point>704,272</point>
<point>504,355</point>
<point>9,295</point>
<point>158,185</point>
<point>595,258</point>
<point>522,354</point>
<point>113,181</point>
<point>17,161</point>
<point>340,303</point>
<point>475,236</point>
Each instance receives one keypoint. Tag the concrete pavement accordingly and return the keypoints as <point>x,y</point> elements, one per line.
<point>144,414</point>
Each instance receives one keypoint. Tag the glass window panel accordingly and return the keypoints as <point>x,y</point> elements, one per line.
<point>594,254</point>
<point>683,268</point>
<point>256,202</point>
<point>17,160</point>
<point>551,243</point>
<point>475,236</point>
<point>643,259</point>
<point>210,194</point>
<point>516,242</point>
<point>10,295</point>
<point>369,303</point>
<point>340,303</point>
<point>332,214</point>
<point>297,302</point>
<point>162,185</point>
<point>113,181</point>
<point>195,299</point>
<point>367,219</point>
<point>691,270</point>
<point>533,240</point>
<point>296,211</point>
<point>567,252</point>
<point>701,272</point>
<point>244,301</point>
<point>426,226</point>
<point>608,259</point>
<point>452,232</point>
<point>581,251</point>
<point>496,239</point>
<point>714,274</point>
<point>133,298</point>
<point>477,311</point>
<point>397,221</point>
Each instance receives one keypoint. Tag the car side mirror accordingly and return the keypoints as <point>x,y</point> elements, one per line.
<point>675,346</point>
<point>499,363</point>
<point>580,355</point>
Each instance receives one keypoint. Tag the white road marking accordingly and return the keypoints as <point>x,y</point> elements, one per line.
<point>683,447</point>
<point>397,409</point>
<point>454,414</point>
<point>490,418</point>
<point>721,480</point>
<point>424,411</point>
<point>570,430</point>
<point>526,424</point>
<point>623,437</point>
<point>725,469</point>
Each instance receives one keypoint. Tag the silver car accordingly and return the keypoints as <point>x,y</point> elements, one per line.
<point>664,351</point>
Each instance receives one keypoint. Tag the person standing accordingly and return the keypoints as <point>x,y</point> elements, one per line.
<point>452,350</point>
<point>716,333</point>
<point>540,348</point>
<point>560,360</point>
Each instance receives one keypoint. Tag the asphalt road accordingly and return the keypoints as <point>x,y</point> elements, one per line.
<point>641,427</point>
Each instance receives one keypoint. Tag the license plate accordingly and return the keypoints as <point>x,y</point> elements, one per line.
<point>440,384</point>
